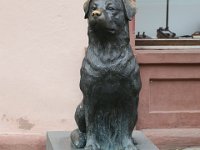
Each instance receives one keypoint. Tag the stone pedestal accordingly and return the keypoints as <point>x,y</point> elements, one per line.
<point>60,140</point>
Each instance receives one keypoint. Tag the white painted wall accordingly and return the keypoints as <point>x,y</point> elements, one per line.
<point>184,17</point>
<point>41,49</point>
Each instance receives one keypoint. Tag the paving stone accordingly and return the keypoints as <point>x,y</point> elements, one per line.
<point>192,148</point>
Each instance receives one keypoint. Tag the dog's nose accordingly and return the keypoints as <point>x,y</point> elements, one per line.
<point>96,13</point>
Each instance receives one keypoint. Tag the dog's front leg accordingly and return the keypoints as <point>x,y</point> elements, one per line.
<point>129,123</point>
<point>91,143</point>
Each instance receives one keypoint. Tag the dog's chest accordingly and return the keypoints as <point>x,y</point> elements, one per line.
<point>105,64</point>
<point>107,77</point>
<point>101,75</point>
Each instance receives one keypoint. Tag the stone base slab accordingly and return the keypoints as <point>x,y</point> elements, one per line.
<point>60,140</point>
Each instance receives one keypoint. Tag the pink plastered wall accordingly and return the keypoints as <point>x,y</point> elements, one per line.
<point>41,49</point>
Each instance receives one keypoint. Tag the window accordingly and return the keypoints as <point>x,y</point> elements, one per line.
<point>183,20</point>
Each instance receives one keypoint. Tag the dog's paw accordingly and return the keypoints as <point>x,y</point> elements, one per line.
<point>130,147</point>
<point>128,144</point>
<point>92,145</point>
<point>78,139</point>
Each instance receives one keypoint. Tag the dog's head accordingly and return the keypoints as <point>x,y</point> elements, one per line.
<point>109,15</point>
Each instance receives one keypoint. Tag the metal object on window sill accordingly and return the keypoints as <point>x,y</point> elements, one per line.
<point>196,35</point>
<point>165,33</point>
<point>142,36</point>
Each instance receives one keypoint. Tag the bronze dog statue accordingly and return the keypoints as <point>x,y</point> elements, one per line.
<point>110,79</point>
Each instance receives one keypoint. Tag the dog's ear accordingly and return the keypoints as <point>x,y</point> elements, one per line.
<point>86,7</point>
<point>130,8</point>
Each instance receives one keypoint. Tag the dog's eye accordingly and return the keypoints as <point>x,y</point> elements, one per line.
<point>110,8</point>
<point>94,7</point>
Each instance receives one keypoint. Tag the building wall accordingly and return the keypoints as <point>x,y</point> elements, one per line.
<point>41,48</point>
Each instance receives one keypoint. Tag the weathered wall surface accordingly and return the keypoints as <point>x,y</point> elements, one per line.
<point>41,48</point>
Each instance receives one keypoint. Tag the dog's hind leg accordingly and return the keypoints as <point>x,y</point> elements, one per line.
<point>78,136</point>
<point>80,117</point>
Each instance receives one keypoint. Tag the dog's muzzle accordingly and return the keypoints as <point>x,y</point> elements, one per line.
<point>100,22</point>
<point>96,13</point>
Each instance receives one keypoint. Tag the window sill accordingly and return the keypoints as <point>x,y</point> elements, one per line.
<point>167,43</point>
